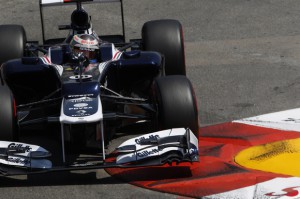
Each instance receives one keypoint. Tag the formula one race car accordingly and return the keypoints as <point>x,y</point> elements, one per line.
<point>90,88</point>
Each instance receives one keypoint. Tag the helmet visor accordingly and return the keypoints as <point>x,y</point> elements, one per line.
<point>90,53</point>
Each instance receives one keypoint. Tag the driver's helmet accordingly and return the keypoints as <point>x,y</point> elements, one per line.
<point>86,44</point>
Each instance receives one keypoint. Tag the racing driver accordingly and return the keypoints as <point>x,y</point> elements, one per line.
<point>88,46</point>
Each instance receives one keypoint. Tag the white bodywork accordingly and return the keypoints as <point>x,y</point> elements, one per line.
<point>143,151</point>
<point>24,158</point>
<point>80,105</point>
<point>130,151</point>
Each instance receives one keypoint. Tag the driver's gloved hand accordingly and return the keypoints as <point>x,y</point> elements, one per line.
<point>79,58</point>
<point>78,62</point>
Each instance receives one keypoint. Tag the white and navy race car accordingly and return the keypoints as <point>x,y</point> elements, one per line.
<point>83,104</point>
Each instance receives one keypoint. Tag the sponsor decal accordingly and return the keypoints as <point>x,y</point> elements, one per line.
<point>81,100</point>
<point>147,153</point>
<point>81,113</point>
<point>76,77</point>
<point>19,147</point>
<point>87,42</point>
<point>81,95</point>
<point>18,160</point>
<point>143,140</point>
<point>80,105</point>
<point>81,108</point>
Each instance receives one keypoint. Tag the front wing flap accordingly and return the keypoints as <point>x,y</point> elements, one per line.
<point>169,145</point>
<point>173,145</point>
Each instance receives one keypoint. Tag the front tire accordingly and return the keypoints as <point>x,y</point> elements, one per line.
<point>166,37</point>
<point>176,103</point>
<point>12,42</point>
<point>8,121</point>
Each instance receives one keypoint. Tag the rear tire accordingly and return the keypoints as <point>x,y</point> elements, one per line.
<point>8,121</point>
<point>176,103</point>
<point>12,42</point>
<point>166,37</point>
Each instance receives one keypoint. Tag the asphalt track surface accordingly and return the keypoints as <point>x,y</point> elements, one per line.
<point>242,58</point>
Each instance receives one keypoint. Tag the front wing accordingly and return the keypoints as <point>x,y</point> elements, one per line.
<point>167,146</point>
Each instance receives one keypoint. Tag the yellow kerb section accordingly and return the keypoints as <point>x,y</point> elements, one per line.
<point>281,157</point>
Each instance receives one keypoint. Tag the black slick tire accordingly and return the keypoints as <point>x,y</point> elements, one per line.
<point>8,121</point>
<point>12,42</point>
<point>176,103</point>
<point>166,37</point>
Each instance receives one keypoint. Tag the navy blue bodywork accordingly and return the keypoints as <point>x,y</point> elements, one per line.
<point>39,87</point>
<point>30,79</point>
<point>134,70</point>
